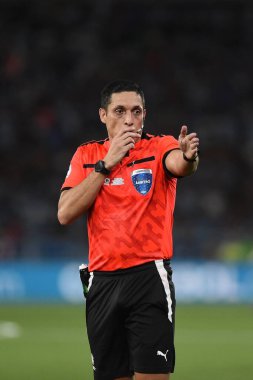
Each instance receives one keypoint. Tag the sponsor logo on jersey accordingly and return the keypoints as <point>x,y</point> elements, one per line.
<point>142,180</point>
<point>114,181</point>
<point>117,181</point>
<point>107,181</point>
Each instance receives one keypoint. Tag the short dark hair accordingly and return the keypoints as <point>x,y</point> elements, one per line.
<point>119,86</point>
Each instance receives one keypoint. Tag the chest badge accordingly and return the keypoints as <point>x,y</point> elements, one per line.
<point>142,180</point>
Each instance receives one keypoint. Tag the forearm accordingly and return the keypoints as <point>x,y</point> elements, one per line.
<point>178,166</point>
<point>76,201</point>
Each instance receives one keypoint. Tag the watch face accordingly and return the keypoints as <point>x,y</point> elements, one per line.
<point>100,167</point>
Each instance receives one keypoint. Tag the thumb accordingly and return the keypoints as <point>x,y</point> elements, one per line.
<point>183,132</point>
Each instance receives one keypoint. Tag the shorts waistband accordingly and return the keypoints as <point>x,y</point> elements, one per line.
<point>137,268</point>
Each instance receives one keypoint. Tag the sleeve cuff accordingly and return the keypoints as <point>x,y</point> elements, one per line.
<point>167,172</point>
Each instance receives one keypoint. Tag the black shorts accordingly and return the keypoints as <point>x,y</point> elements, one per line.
<point>130,316</point>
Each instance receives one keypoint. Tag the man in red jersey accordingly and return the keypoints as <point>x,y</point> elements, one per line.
<point>127,186</point>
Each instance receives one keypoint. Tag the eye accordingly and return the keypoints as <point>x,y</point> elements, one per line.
<point>119,111</point>
<point>137,112</point>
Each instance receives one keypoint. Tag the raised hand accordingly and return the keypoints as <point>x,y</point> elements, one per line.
<point>189,144</point>
<point>121,143</point>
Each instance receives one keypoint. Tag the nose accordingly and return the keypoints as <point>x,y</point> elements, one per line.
<point>129,118</point>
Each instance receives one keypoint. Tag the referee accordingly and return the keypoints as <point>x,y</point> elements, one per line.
<point>127,186</point>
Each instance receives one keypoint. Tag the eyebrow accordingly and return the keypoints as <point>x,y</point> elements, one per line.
<point>133,108</point>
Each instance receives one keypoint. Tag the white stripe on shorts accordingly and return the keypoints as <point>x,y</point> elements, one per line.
<point>90,280</point>
<point>164,277</point>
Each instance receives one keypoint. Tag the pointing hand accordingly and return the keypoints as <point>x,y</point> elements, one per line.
<point>189,144</point>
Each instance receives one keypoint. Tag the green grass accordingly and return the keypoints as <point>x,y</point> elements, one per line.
<point>51,343</point>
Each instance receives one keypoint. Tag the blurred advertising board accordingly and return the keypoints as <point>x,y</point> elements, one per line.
<point>195,281</point>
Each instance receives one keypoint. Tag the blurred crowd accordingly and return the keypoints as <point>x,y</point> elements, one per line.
<point>194,61</point>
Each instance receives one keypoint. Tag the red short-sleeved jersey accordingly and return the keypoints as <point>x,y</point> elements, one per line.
<point>131,220</point>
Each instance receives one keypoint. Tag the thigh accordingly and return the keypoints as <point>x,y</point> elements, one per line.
<point>151,324</point>
<point>106,333</point>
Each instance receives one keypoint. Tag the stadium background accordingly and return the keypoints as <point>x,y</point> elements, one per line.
<point>194,61</point>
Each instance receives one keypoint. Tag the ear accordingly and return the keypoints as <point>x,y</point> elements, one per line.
<point>144,113</point>
<point>102,115</point>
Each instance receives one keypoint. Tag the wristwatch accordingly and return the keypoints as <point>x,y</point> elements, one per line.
<point>191,159</point>
<point>100,167</point>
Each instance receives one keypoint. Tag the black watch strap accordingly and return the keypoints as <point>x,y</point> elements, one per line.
<point>191,159</point>
<point>100,167</point>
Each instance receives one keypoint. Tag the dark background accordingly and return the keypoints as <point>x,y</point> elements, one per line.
<point>194,62</point>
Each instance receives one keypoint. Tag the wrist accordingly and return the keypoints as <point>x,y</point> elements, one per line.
<point>192,159</point>
<point>108,164</point>
<point>100,167</point>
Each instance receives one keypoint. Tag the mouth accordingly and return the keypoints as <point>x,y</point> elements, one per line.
<point>139,131</point>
